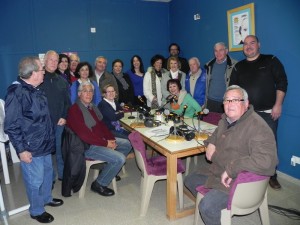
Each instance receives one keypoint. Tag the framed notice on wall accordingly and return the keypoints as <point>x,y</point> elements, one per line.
<point>240,24</point>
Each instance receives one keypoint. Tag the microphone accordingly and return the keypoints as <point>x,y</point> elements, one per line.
<point>141,100</point>
<point>128,108</point>
<point>184,109</point>
<point>202,113</point>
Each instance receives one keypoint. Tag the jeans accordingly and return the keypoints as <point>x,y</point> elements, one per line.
<point>37,177</point>
<point>115,159</point>
<point>273,125</point>
<point>211,204</point>
<point>59,160</point>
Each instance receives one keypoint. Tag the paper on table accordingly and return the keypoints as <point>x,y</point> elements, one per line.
<point>158,131</point>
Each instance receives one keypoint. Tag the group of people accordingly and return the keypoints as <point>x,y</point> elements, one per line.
<point>39,105</point>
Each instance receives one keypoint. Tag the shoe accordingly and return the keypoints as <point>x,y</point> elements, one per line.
<point>102,190</point>
<point>118,178</point>
<point>55,202</point>
<point>274,183</point>
<point>43,218</point>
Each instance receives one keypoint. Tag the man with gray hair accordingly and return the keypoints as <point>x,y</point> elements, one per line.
<point>243,141</point>
<point>58,96</point>
<point>102,76</point>
<point>218,72</point>
<point>85,119</point>
<point>195,81</point>
<point>30,129</point>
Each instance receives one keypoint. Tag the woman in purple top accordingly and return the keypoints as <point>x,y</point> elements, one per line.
<point>136,74</point>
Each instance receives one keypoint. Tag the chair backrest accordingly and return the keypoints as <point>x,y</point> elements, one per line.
<point>212,117</point>
<point>247,192</point>
<point>139,150</point>
<point>3,136</point>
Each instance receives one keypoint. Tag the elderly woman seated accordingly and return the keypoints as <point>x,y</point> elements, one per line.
<point>181,100</point>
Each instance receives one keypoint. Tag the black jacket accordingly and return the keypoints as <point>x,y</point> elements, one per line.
<point>74,162</point>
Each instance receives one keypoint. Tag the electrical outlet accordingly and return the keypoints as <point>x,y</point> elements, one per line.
<point>197,16</point>
<point>295,160</point>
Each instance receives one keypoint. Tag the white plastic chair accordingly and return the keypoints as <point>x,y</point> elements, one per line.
<point>153,169</point>
<point>247,194</point>
<point>3,139</point>
<point>89,163</point>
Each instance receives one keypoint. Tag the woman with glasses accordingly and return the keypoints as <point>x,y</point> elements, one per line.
<point>83,72</point>
<point>112,112</point>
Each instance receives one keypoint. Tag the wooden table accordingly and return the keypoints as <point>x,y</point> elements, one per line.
<point>172,152</point>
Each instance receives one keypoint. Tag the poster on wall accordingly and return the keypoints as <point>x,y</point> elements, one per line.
<point>240,24</point>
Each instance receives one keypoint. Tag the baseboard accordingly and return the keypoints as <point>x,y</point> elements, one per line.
<point>288,178</point>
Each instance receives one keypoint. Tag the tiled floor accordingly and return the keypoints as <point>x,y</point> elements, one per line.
<point>123,208</point>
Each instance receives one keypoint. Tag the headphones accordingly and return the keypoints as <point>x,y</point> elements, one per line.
<point>150,122</point>
<point>187,134</point>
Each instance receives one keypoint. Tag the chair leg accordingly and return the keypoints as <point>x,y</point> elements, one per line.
<point>264,211</point>
<point>225,217</point>
<point>114,184</point>
<point>187,165</point>
<point>4,163</point>
<point>146,195</point>
<point>197,218</point>
<point>195,159</point>
<point>124,169</point>
<point>83,187</point>
<point>2,207</point>
<point>180,189</point>
<point>13,154</point>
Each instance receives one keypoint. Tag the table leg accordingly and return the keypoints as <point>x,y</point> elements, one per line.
<point>171,186</point>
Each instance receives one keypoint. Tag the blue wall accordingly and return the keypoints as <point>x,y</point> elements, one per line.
<point>127,27</point>
<point>123,28</point>
<point>277,25</point>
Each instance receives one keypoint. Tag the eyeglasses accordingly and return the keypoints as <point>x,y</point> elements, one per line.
<point>234,101</point>
<point>110,91</point>
<point>87,91</point>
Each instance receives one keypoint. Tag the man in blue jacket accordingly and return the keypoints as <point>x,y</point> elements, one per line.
<point>195,82</point>
<point>29,127</point>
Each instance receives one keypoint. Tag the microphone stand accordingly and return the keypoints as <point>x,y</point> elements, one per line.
<point>131,117</point>
<point>200,136</point>
<point>183,126</point>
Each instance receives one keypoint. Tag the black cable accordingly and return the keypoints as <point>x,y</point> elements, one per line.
<point>290,213</point>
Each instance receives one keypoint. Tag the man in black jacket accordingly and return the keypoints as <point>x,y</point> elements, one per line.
<point>58,96</point>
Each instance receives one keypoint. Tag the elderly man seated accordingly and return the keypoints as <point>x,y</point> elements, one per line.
<point>243,141</point>
<point>84,119</point>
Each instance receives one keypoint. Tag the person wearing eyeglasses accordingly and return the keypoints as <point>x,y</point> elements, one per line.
<point>85,119</point>
<point>31,131</point>
<point>112,112</point>
<point>264,78</point>
<point>243,141</point>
